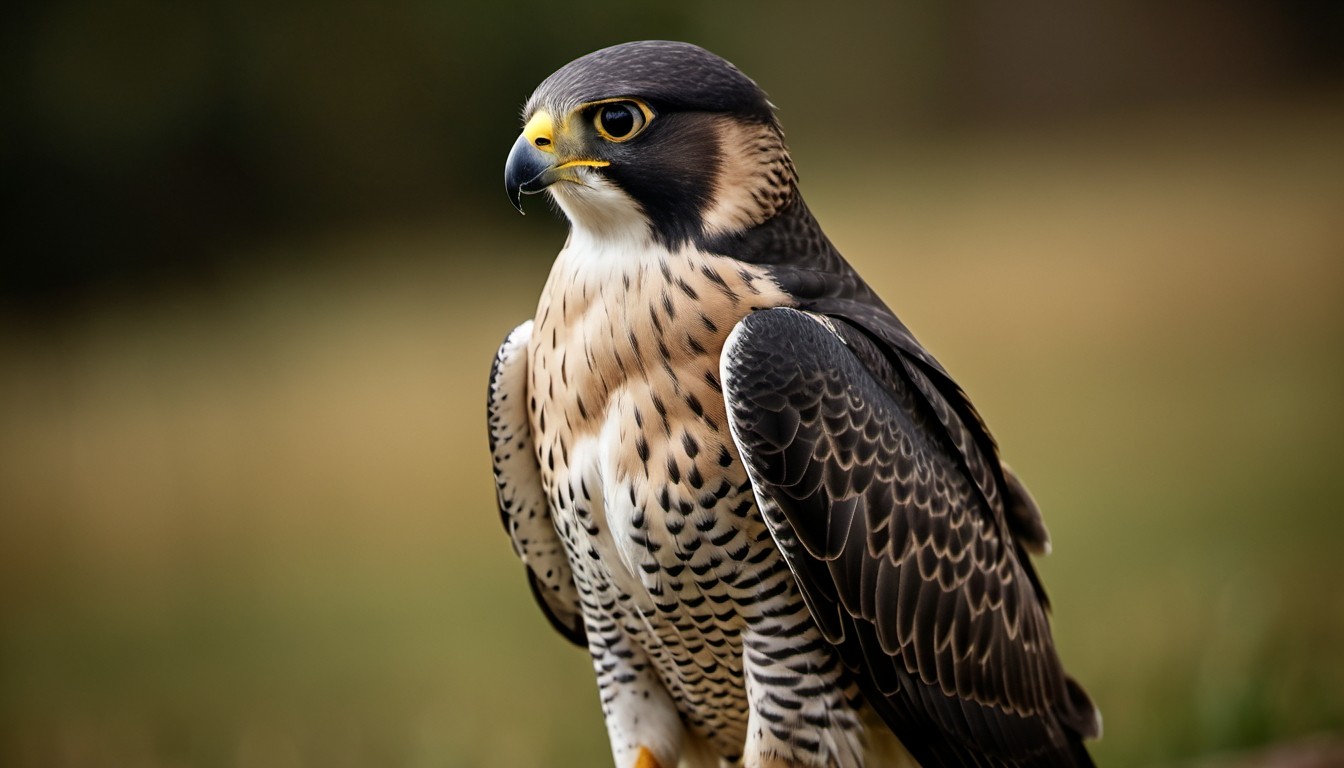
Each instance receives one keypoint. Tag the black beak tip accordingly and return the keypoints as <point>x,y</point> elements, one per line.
<point>526,171</point>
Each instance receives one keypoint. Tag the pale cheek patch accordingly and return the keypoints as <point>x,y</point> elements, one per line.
<point>756,177</point>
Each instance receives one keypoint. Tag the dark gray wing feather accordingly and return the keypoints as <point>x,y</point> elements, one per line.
<point>887,505</point>
<point>522,501</point>
<point>807,266</point>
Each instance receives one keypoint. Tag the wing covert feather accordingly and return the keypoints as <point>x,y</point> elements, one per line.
<point>523,508</point>
<point>891,514</point>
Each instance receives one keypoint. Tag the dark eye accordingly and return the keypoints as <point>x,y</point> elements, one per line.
<point>619,120</point>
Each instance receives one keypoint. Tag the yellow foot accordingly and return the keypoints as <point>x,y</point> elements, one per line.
<point>645,759</point>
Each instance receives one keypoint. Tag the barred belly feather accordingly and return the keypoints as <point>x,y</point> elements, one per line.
<point>683,590</point>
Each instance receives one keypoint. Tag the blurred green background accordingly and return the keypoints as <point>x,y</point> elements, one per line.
<point>256,260</point>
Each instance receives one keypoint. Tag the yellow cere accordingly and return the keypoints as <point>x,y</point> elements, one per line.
<point>540,131</point>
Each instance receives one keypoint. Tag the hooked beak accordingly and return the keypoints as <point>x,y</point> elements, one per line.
<point>533,163</point>
<point>528,171</point>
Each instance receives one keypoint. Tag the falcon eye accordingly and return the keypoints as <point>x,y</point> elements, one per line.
<point>617,121</point>
<point>621,120</point>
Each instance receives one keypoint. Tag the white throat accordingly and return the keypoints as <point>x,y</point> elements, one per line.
<point>602,216</point>
<point>610,241</point>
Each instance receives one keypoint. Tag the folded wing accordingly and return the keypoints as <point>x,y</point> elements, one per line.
<point>890,509</point>
<point>522,502</point>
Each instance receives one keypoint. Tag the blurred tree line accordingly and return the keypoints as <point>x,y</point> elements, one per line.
<point>147,140</point>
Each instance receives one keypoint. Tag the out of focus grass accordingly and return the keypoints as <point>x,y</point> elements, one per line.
<point>252,524</point>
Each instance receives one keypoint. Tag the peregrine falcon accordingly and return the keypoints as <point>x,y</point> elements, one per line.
<point>778,526</point>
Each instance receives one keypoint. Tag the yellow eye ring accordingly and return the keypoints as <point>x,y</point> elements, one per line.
<point>620,119</point>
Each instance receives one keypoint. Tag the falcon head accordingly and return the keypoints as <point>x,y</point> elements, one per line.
<point>653,138</point>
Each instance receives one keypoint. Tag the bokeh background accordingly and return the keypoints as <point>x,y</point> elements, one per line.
<point>256,259</point>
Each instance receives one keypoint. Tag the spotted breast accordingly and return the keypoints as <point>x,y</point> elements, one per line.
<point>677,573</point>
